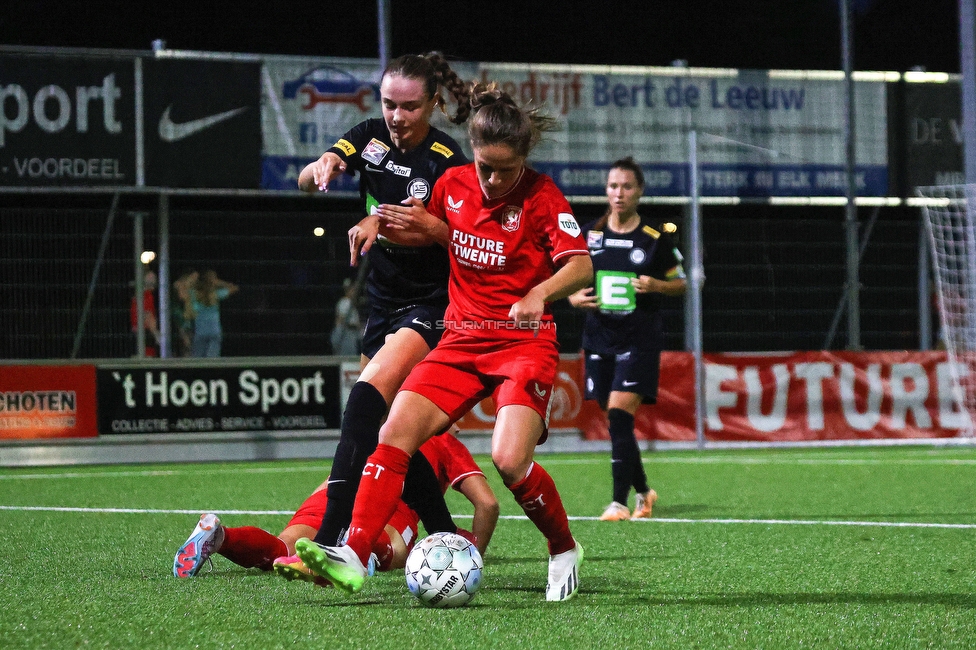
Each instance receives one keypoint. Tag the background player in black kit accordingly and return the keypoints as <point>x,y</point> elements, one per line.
<point>397,157</point>
<point>635,264</point>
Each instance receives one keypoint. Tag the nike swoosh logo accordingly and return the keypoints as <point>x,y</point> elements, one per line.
<point>602,250</point>
<point>170,131</point>
<point>629,383</point>
<point>375,170</point>
<point>420,322</point>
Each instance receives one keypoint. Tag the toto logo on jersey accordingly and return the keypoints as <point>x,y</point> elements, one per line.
<point>567,223</point>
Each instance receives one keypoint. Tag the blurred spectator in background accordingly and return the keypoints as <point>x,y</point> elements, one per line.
<point>203,294</point>
<point>150,322</point>
<point>181,310</point>
<point>635,265</point>
<point>347,333</point>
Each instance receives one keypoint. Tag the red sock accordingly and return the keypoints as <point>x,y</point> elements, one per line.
<point>383,547</point>
<point>379,491</point>
<point>252,547</point>
<point>537,495</point>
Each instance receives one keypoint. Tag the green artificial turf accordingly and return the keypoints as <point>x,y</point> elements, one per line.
<point>740,554</point>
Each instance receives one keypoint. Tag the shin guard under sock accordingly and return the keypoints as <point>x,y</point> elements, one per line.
<point>624,454</point>
<point>251,547</point>
<point>537,495</point>
<point>379,493</point>
<point>361,421</point>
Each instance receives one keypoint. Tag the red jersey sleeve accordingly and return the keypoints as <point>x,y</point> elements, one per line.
<point>560,232</point>
<point>451,460</point>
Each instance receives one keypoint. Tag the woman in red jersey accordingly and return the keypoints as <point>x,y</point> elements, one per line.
<point>514,247</point>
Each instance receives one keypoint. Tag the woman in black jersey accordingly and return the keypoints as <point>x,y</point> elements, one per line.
<point>635,264</point>
<point>397,157</point>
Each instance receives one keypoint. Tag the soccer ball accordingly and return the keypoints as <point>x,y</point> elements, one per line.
<point>444,570</point>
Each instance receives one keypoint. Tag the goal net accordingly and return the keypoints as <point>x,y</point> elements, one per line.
<point>950,213</point>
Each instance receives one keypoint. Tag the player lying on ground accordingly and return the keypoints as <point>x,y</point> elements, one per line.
<point>252,547</point>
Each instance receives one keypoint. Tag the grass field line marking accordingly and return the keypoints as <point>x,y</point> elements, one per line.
<point>544,460</point>
<point>772,461</point>
<point>660,520</point>
<point>324,469</point>
<point>143,511</point>
<point>801,522</point>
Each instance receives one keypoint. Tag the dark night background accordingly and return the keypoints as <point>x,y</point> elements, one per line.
<point>776,274</point>
<point>763,34</point>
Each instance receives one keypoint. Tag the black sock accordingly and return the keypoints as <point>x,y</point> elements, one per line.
<point>624,453</point>
<point>639,479</point>
<point>358,438</point>
<point>422,492</point>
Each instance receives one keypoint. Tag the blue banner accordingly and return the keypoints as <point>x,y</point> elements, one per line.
<point>753,181</point>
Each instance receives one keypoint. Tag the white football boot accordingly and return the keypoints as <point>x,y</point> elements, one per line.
<point>564,574</point>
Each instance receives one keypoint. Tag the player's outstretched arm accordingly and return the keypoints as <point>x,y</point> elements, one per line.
<point>317,175</point>
<point>361,238</point>
<point>410,224</point>
<point>575,274</point>
<point>486,509</point>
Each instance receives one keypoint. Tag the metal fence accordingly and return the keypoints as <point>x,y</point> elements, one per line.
<point>289,278</point>
<point>774,274</point>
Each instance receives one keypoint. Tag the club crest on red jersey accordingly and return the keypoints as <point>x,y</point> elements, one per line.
<point>511,218</point>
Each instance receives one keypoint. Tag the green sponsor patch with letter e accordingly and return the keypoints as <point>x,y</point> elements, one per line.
<point>615,291</point>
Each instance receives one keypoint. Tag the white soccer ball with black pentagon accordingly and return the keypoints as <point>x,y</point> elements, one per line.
<point>444,570</point>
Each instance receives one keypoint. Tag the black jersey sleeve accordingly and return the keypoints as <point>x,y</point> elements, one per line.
<point>668,259</point>
<point>449,149</point>
<point>350,146</point>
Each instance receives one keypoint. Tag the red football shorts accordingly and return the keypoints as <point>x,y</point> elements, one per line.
<point>462,370</point>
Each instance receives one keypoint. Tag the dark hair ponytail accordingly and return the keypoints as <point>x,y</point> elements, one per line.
<point>497,119</point>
